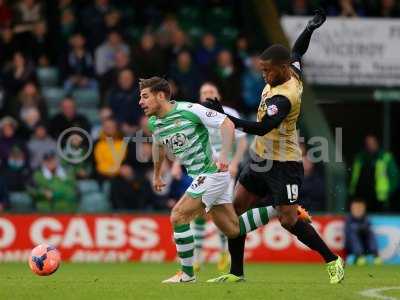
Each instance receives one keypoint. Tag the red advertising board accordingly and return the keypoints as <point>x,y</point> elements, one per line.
<point>125,237</point>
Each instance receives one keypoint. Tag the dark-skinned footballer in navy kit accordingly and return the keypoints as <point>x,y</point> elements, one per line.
<point>276,168</point>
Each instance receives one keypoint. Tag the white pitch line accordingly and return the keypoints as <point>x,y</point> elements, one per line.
<point>375,293</point>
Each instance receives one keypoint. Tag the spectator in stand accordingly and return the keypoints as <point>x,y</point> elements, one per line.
<point>6,14</point>
<point>350,8</point>
<point>124,100</point>
<point>79,66</point>
<point>360,240</point>
<point>301,8</point>
<point>53,187</point>
<point>113,21</point>
<point>185,74</point>
<point>67,118</point>
<point>149,58</point>
<point>375,176</point>
<point>77,146</point>
<point>105,113</point>
<point>227,77</point>
<point>41,47</point>
<point>18,73</point>
<point>389,9</point>
<point>166,31</point>
<point>110,79</point>
<point>93,21</point>
<point>29,118</point>
<point>179,43</point>
<point>126,184</point>
<point>4,197</point>
<point>8,45</point>
<point>27,14</point>
<point>16,170</point>
<point>109,151</point>
<point>65,4</point>
<point>105,53</point>
<point>242,56</point>
<point>39,144</point>
<point>312,191</point>
<point>8,138</point>
<point>207,52</point>
<point>28,98</point>
<point>68,25</point>
<point>253,85</point>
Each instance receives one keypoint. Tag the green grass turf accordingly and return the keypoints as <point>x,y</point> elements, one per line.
<point>142,281</point>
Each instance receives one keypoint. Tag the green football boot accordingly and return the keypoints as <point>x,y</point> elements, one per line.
<point>336,270</point>
<point>227,278</point>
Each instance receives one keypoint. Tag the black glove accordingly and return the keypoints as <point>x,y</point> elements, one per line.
<point>213,104</point>
<point>318,19</point>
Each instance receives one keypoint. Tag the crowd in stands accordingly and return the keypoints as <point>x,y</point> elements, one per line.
<point>66,63</point>
<point>71,63</point>
<point>345,8</point>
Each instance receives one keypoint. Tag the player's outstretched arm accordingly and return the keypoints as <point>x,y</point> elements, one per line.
<point>303,41</point>
<point>277,110</point>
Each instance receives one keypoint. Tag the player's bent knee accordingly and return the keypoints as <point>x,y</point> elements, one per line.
<point>176,217</point>
<point>287,221</point>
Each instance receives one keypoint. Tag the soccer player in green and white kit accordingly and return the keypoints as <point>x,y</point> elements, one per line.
<point>209,90</point>
<point>180,129</point>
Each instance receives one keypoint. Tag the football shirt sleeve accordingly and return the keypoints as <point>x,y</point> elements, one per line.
<point>209,117</point>
<point>277,109</point>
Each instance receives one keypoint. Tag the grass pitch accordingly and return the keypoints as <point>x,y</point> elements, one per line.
<point>142,281</point>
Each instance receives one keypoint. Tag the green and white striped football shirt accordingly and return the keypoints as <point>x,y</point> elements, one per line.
<point>183,132</point>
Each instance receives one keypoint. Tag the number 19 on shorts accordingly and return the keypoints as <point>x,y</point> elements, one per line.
<point>293,192</point>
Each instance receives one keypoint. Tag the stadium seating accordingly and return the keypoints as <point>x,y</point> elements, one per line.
<point>86,98</point>
<point>21,202</point>
<point>47,76</point>
<point>94,202</point>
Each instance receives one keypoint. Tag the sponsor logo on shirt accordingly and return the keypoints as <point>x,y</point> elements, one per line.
<point>272,110</point>
<point>211,113</point>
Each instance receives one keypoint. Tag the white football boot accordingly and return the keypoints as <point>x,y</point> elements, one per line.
<point>180,277</point>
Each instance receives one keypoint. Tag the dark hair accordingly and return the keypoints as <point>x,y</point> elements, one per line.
<point>277,53</point>
<point>358,200</point>
<point>156,84</point>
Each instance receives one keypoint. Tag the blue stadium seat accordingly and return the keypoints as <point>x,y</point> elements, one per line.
<point>86,98</point>
<point>20,202</point>
<point>48,76</point>
<point>88,186</point>
<point>94,202</point>
<point>53,95</point>
<point>91,113</point>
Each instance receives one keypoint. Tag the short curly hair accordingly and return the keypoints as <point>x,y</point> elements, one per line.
<point>276,53</point>
<point>156,84</point>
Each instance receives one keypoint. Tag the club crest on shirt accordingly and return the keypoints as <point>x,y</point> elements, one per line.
<point>211,113</point>
<point>272,110</point>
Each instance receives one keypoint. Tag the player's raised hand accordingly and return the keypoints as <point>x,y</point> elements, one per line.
<point>158,184</point>
<point>213,104</point>
<point>318,19</point>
